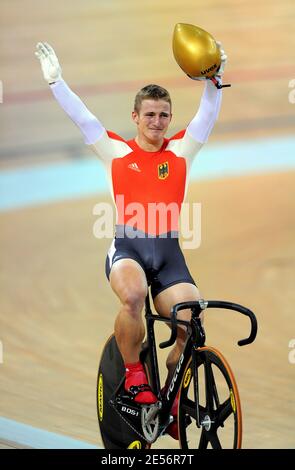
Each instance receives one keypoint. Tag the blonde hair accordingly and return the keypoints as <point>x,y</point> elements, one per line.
<point>153,92</point>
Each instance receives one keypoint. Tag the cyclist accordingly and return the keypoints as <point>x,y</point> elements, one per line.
<point>146,173</point>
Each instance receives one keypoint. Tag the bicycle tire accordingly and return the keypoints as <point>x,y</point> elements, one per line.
<point>219,404</point>
<point>115,432</point>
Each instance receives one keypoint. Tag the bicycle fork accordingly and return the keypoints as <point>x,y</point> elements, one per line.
<point>196,386</point>
<point>198,339</point>
<point>204,422</point>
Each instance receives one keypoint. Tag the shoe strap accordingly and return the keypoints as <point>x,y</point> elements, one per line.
<point>136,389</point>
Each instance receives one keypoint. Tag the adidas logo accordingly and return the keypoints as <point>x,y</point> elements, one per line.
<point>134,166</point>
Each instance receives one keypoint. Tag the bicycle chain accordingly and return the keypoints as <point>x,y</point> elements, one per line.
<point>130,425</point>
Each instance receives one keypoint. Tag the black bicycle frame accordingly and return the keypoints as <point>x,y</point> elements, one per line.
<point>195,334</point>
<point>195,340</point>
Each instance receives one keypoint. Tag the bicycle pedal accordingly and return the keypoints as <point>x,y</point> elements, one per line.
<point>125,397</point>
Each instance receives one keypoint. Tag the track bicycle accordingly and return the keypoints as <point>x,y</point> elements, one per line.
<point>209,409</point>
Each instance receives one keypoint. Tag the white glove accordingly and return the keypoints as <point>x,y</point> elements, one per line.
<point>223,56</point>
<point>49,62</point>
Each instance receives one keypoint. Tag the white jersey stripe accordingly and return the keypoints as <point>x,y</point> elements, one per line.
<point>111,253</point>
<point>186,147</point>
<point>107,148</point>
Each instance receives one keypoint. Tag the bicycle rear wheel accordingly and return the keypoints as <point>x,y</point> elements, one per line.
<point>115,432</point>
<point>219,405</point>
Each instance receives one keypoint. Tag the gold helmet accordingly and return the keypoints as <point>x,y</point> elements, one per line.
<point>195,51</point>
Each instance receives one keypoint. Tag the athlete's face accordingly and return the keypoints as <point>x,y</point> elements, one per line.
<point>152,120</point>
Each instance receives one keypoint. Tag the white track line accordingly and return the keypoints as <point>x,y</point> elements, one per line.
<point>28,436</point>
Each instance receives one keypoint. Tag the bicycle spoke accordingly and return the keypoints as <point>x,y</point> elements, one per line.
<point>218,407</point>
<point>215,393</point>
<point>189,407</point>
<point>209,384</point>
<point>224,411</point>
<point>214,440</point>
<point>203,443</point>
<point>209,436</point>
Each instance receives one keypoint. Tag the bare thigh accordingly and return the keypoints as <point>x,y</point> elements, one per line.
<point>128,281</point>
<point>182,292</point>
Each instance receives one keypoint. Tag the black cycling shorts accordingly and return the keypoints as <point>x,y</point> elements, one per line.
<point>161,259</point>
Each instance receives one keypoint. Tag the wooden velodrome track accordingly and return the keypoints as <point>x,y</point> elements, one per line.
<point>56,307</point>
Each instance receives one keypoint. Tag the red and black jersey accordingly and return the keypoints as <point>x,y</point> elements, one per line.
<point>148,188</point>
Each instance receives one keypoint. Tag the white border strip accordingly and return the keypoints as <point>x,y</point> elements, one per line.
<point>28,436</point>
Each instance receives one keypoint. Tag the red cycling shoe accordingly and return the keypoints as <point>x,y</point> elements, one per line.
<point>136,383</point>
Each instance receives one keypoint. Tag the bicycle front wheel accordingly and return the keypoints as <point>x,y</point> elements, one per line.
<point>218,407</point>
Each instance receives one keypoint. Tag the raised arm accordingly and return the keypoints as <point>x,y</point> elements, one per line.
<point>89,125</point>
<point>202,124</point>
<point>199,129</point>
